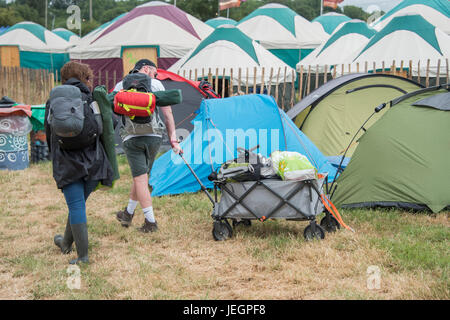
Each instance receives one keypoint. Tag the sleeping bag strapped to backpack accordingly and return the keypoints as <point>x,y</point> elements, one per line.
<point>137,99</point>
<point>139,84</point>
<point>74,120</point>
<point>132,103</point>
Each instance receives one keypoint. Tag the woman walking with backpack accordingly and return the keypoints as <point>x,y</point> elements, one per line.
<point>78,157</point>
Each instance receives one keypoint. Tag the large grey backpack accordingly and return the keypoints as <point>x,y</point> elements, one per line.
<point>74,122</point>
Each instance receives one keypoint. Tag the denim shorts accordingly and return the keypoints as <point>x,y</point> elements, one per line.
<point>141,153</point>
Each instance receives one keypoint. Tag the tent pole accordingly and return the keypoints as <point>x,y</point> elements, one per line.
<point>46,12</point>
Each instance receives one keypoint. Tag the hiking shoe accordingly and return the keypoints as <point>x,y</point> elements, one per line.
<point>125,218</point>
<point>148,227</point>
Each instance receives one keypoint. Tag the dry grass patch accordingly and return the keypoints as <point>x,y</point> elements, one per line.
<point>182,261</point>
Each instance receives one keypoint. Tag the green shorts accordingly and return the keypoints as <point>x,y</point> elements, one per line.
<point>141,153</point>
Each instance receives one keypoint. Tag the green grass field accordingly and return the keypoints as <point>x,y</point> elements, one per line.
<point>268,260</point>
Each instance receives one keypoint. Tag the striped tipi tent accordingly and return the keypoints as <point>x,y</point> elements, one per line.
<point>408,38</point>
<point>30,45</point>
<point>436,12</point>
<point>342,46</point>
<point>330,21</point>
<point>155,30</point>
<point>283,32</point>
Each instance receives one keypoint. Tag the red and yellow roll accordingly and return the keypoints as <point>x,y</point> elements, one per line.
<point>132,103</point>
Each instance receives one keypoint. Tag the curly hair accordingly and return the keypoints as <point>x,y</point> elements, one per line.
<point>79,71</point>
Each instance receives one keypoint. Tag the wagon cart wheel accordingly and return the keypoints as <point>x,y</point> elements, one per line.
<point>222,230</point>
<point>331,226</point>
<point>309,235</point>
<point>245,222</point>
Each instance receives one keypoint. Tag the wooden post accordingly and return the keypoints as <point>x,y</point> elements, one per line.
<point>382,66</point>
<point>190,74</point>
<point>357,67</point>
<point>342,70</point>
<point>269,90</point>
<point>276,87</point>
<point>195,75</point>
<point>438,72</point>
<point>107,80</point>
<point>366,67</point>
<point>410,69</point>
<point>292,89</point>
<point>349,68</point>
<point>239,79</point>
<point>418,72</point>
<point>427,80</point>
<point>203,73</point>
<point>99,78</point>
<point>254,80</point>
<point>401,69</point>
<point>300,84</point>
<point>334,71</point>
<point>210,78</point>
<point>447,68</point>
<point>317,77</point>
<point>223,83</point>
<point>230,85</point>
<point>262,81</point>
<point>246,83</point>
<point>374,67</point>
<point>325,74</point>
<point>216,81</point>
<point>308,83</point>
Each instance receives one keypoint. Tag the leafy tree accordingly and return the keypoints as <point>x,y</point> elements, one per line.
<point>355,13</point>
<point>9,17</point>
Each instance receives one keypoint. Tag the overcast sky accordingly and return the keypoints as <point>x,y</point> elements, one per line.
<point>385,5</point>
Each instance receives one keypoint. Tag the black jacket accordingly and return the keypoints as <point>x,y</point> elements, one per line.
<point>74,165</point>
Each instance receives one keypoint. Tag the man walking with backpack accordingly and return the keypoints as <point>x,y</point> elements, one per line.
<point>141,148</point>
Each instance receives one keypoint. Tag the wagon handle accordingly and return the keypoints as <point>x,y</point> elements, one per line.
<point>197,178</point>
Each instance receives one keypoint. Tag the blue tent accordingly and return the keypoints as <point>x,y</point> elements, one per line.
<point>223,125</point>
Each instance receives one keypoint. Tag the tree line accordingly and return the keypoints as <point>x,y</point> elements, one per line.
<point>106,10</point>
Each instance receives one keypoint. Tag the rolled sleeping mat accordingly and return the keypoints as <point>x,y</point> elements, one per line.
<point>168,97</point>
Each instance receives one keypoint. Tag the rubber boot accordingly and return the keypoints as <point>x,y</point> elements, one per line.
<point>65,243</point>
<point>80,235</point>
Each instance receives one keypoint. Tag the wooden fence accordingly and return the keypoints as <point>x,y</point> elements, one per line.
<point>287,92</point>
<point>27,86</point>
<point>31,86</point>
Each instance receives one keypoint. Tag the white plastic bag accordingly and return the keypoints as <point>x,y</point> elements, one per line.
<point>292,166</point>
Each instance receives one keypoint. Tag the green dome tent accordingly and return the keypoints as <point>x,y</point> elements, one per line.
<point>403,160</point>
<point>332,114</point>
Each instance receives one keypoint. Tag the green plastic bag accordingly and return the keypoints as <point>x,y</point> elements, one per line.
<point>292,166</point>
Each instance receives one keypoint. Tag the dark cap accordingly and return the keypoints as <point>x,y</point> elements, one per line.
<point>142,63</point>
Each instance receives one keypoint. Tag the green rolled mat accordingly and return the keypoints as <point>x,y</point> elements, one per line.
<point>168,97</point>
<point>106,108</point>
